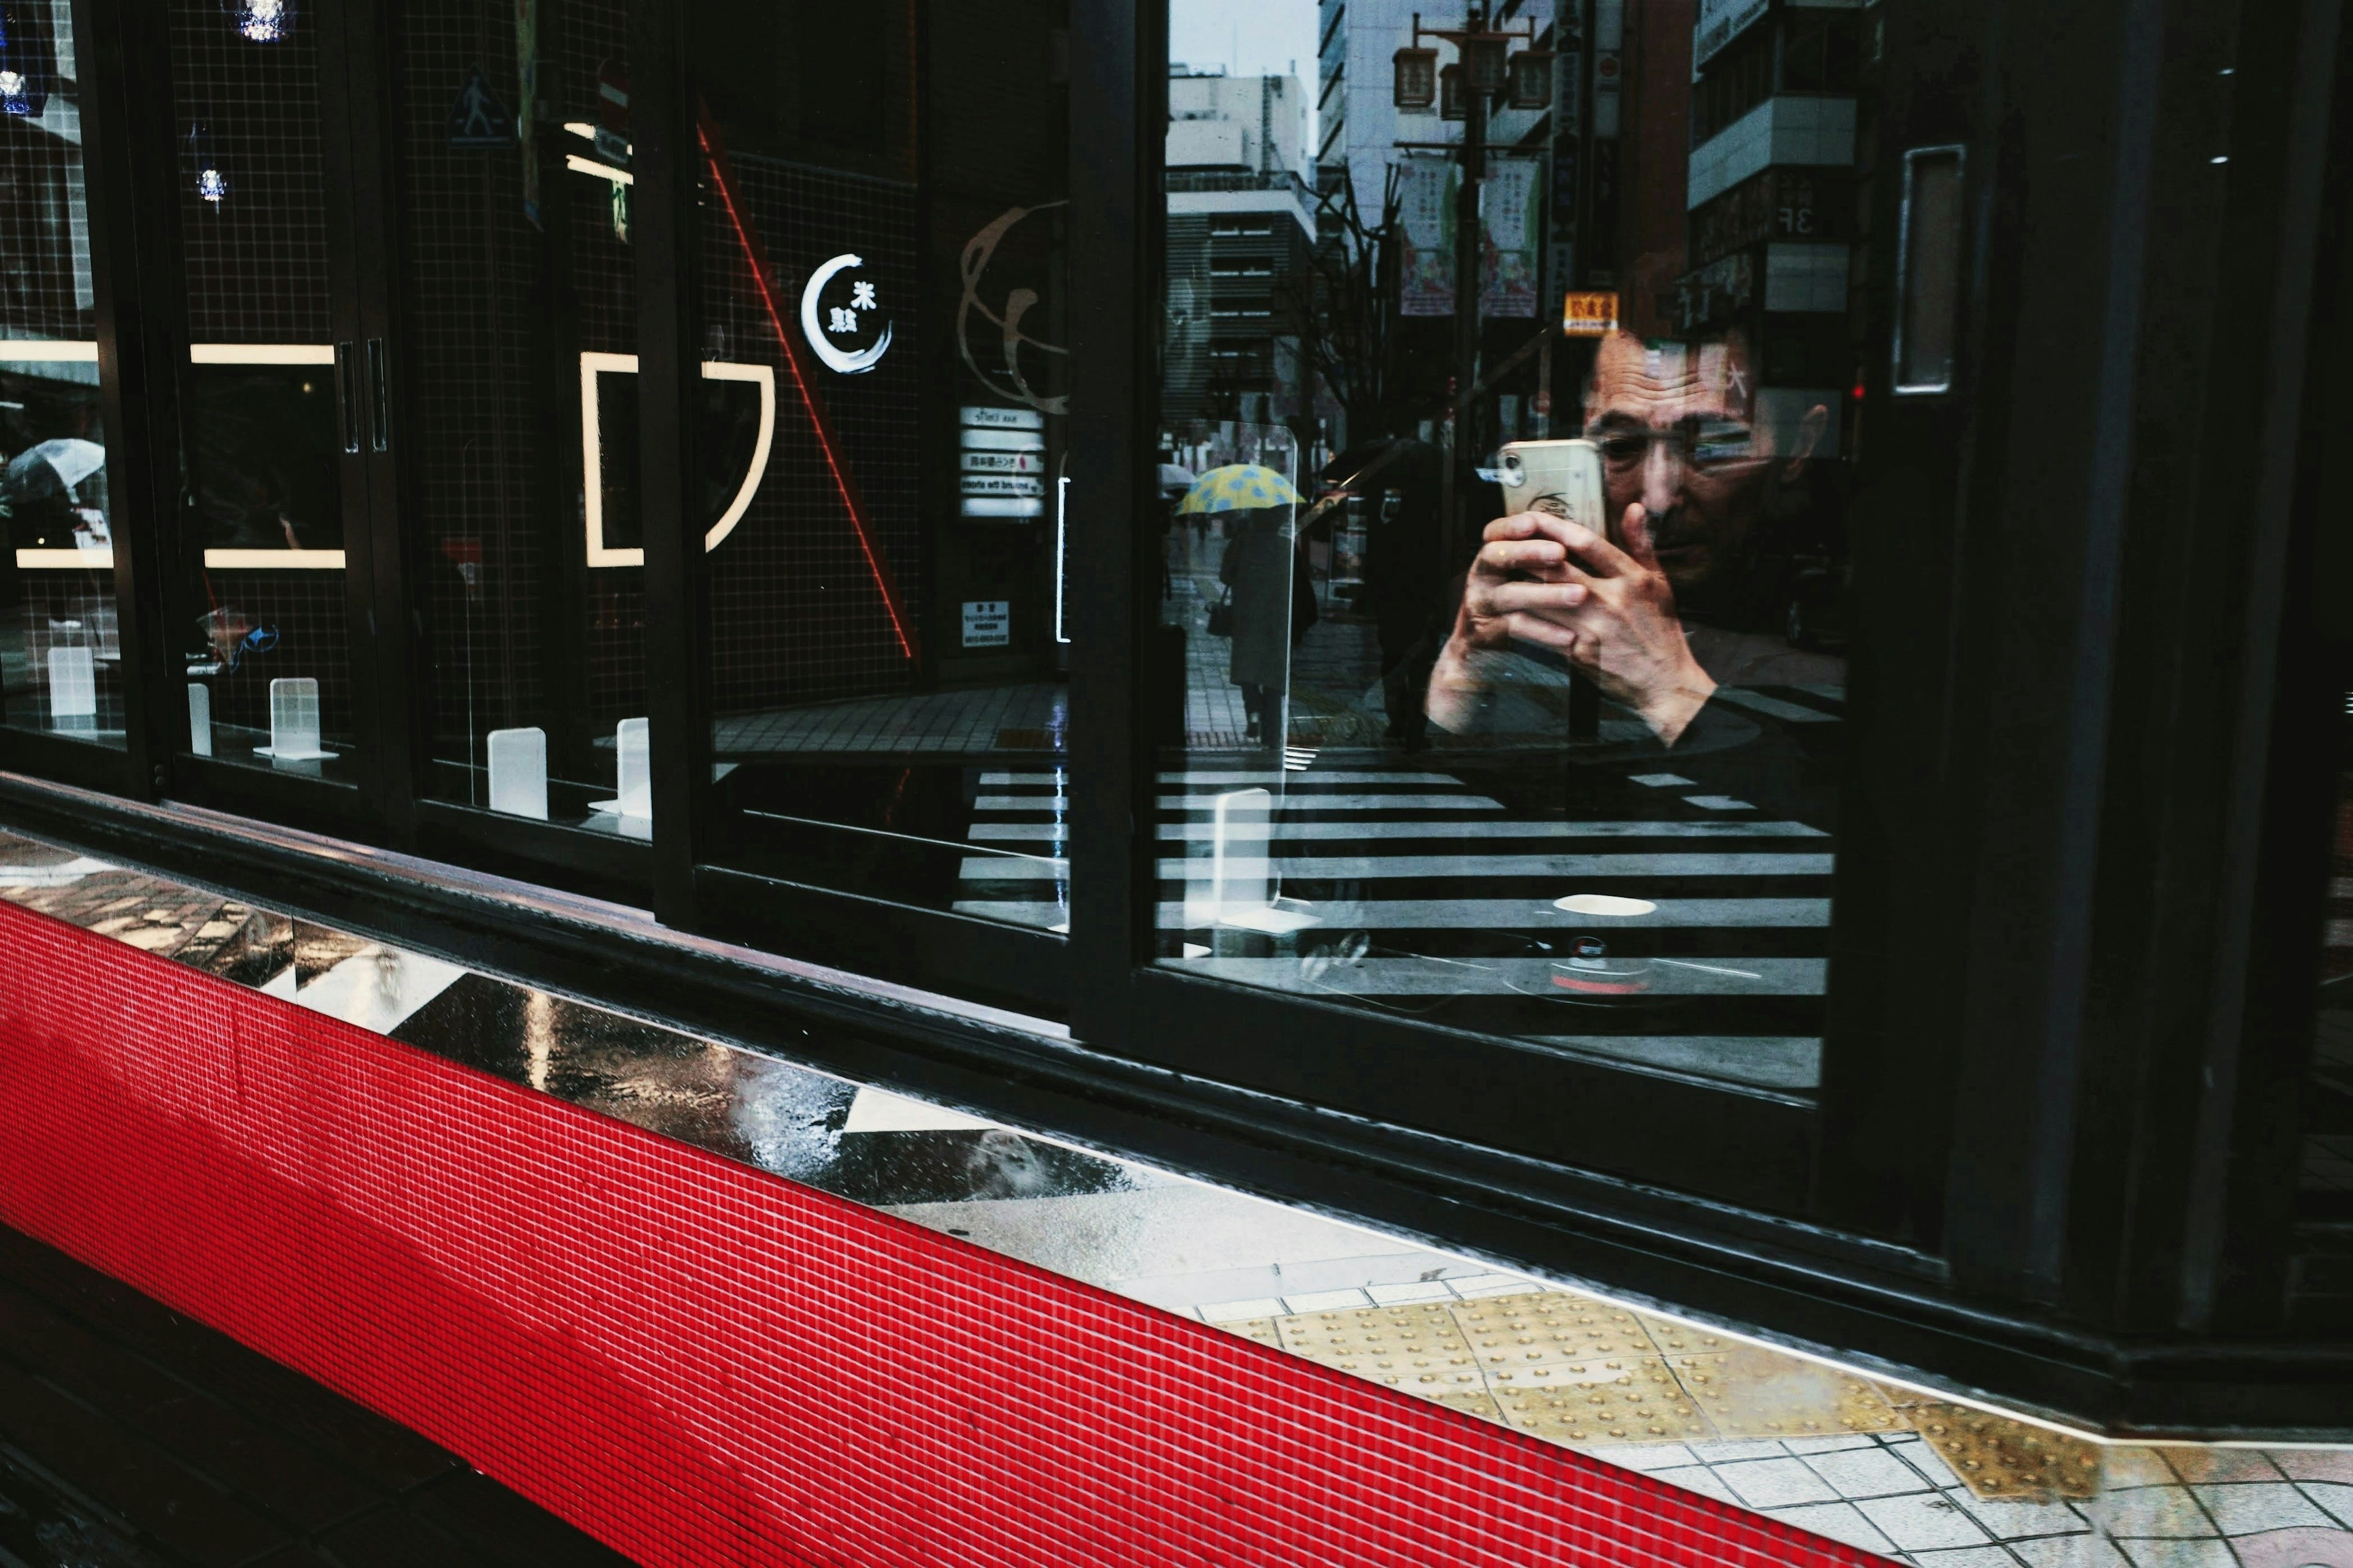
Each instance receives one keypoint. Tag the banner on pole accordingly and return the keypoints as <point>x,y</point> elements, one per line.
<point>1511,213</point>
<point>1426,195</point>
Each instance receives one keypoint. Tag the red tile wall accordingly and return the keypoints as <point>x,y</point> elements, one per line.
<point>701,1364</point>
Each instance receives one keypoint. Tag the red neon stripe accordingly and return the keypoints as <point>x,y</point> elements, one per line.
<point>723,175</point>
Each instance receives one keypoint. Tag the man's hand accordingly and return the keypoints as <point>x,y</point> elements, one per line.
<point>1543,579</point>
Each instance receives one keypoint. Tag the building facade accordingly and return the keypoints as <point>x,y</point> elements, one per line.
<point>638,823</point>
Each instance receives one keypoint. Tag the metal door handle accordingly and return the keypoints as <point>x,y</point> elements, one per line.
<point>379,395</point>
<point>1929,270</point>
<point>347,394</point>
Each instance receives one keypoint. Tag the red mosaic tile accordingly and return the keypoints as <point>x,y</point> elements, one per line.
<point>701,1364</point>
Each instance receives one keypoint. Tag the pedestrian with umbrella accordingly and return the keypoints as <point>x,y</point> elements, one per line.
<point>40,494</point>
<point>1261,575</point>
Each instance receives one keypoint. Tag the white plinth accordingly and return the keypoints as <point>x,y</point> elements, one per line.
<point>519,772</point>
<point>294,721</point>
<point>200,718</point>
<point>634,771</point>
<point>73,683</point>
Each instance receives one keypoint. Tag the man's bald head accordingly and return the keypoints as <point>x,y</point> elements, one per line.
<point>1670,378</point>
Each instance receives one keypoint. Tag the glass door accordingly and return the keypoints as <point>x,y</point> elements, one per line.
<point>285,397</point>
<point>512,279</point>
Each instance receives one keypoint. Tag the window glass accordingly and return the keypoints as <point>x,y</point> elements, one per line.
<point>881,448</point>
<point>520,331</point>
<point>1518,709</point>
<point>258,611</point>
<point>60,658</point>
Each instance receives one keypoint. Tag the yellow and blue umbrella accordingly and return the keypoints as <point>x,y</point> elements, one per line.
<point>1239,487</point>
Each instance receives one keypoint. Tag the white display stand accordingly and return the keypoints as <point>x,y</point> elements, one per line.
<point>73,683</point>
<point>294,721</point>
<point>200,718</point>
<point>634,774</point>
<point>1241,867</point>
<point>519,772</point>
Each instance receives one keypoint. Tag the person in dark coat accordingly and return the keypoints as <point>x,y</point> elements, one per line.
<point>1260,573</point>
<point>1401,481</point>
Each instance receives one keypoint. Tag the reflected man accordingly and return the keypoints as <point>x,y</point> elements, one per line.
<point>1697,471</point>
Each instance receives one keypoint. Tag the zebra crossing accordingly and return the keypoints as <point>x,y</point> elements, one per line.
<point>1683,931</point>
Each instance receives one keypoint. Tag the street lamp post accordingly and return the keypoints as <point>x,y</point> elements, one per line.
<point>1484,68</point>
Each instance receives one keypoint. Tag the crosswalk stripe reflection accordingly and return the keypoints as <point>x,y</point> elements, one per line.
<point>1418,811</point>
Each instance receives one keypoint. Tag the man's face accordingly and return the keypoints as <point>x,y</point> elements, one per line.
<point>1675,426</point>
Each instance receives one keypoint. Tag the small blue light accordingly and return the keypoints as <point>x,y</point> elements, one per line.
<point>212,179</point>
<point>263,21</point>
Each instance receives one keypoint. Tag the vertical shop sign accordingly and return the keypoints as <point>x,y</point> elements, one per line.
<point>1426,190</point>
<point>1510,212</point>
<point>1568,158</point>
<point>1601,173</point>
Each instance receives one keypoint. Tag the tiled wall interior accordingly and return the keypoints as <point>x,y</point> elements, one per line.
<point>702,1363</point>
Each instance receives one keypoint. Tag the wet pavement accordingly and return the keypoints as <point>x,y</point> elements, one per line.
<point>1922,1475</point>
<point>132,1438</point>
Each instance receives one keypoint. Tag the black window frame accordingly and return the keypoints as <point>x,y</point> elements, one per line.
<point>2101,942</point>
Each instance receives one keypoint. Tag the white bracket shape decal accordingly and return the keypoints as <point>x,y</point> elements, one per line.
<point>592,452</point>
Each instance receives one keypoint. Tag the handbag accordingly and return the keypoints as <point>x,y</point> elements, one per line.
<point>1222,616</point>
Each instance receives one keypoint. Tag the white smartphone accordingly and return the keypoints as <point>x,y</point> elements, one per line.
<point>1563,478</point>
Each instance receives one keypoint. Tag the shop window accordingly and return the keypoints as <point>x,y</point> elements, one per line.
<point>519,291</point>
<point>261,588</point>
<point>60,648</point>
<point>1588,803</point>
<point>884,229</point>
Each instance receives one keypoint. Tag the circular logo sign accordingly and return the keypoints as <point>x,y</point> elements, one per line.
<point>837,327</point>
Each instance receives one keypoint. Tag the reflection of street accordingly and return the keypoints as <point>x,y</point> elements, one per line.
<point>1449,889</point>
<point>1334,669</point>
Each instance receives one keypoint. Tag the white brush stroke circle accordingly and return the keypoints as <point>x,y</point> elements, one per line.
<point>833,358</point>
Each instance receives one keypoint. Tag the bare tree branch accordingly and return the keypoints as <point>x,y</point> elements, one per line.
<point>1346,303</point>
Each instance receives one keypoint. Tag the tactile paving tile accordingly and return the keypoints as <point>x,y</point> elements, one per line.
<point>1263,1330</point>
<point>1681,1339</point>
<point>1633,1401</point>
<point>1903,1398</point>
<point>1547,1327</point>
<point>1470,1402</point>
<point>2000,1458</point>
<point>1751,1391</point>
<point>1416,1348</point>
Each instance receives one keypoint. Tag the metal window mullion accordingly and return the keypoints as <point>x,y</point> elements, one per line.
<point>666,161</point>
<point>370,122</point>
<point>124,80</point>
<point>1118,70</point>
